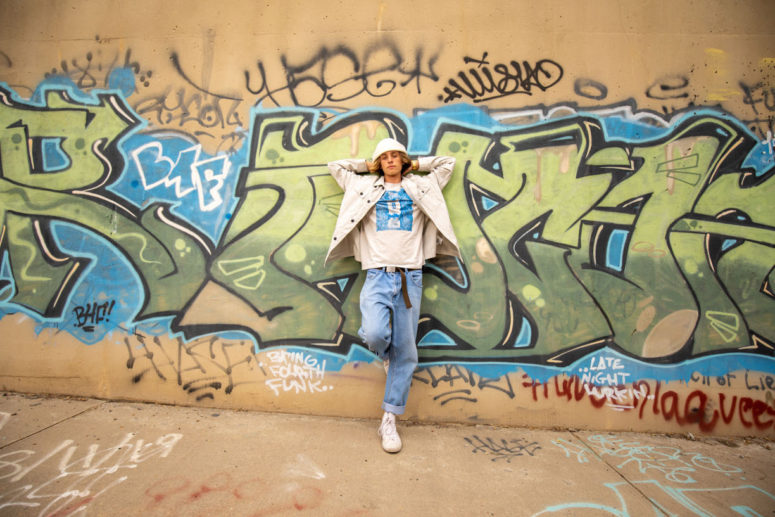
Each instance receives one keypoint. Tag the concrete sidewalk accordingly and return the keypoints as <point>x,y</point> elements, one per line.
<point>62,456</point>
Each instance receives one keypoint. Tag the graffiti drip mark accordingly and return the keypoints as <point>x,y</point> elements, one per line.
<point>175,60</point>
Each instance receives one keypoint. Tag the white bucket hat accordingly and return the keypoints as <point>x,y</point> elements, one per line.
<point>388,144</point>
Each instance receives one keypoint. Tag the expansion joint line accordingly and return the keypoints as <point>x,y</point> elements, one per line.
<point>52,425</point>
<point>655,504</point>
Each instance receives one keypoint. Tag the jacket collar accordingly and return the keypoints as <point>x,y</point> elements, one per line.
<point>381,179</point>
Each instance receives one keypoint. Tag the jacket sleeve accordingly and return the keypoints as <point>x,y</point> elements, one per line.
<point>439,167</point>
<point>344,171</point>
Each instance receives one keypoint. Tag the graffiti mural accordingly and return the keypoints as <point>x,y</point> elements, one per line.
<point>572,240</point>
<point>593,241</point>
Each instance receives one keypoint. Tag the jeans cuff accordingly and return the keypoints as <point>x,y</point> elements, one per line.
<point>396,410</point>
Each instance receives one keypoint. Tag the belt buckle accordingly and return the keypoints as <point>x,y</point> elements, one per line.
<point>390,269</point>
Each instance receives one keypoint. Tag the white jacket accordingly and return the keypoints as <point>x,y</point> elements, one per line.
<point>361,192</point>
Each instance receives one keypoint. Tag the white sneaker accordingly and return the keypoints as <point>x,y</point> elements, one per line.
<point>391,442</point>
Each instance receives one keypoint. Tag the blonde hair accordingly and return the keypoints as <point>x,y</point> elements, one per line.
<point>376,167</point>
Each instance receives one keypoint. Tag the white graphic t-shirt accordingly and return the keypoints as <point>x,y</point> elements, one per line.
<point>392,231</point>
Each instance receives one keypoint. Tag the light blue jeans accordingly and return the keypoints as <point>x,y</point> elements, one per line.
<point>389,329</point>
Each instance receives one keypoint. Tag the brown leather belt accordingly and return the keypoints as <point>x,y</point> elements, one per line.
<point>404,292</point>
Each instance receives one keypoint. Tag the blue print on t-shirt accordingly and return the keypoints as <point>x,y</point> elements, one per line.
<point>394,211</point>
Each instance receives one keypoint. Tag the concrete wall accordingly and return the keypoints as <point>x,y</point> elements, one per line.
<point>166,206</point>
